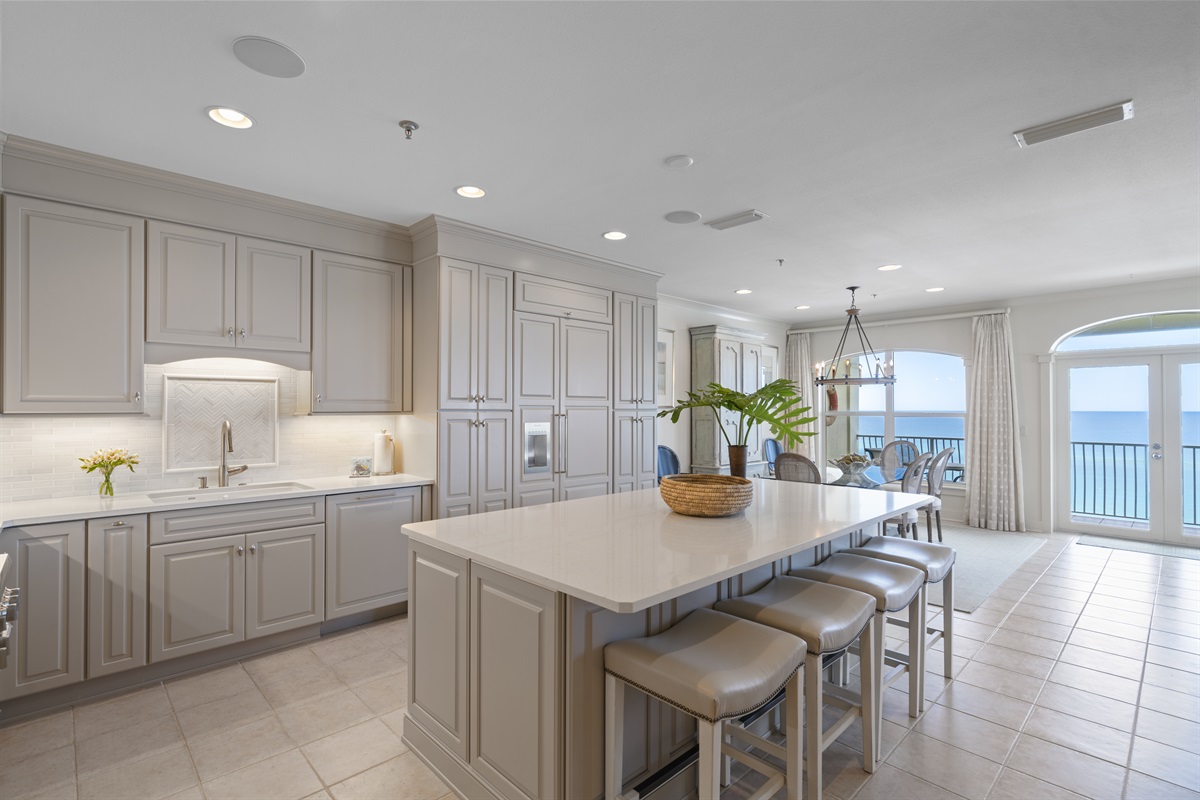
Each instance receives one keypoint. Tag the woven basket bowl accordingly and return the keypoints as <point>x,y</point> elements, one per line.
<point>706,495</point>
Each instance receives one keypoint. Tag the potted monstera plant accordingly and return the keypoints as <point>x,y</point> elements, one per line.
<point>776,405</point>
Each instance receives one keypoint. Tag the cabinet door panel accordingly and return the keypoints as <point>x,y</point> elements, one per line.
<point>274,296</point>
<point>587,446</point>
<point>536,358</point>
<point>61,265</point>
<point>189,285</point>
<point>494,458</point>
<point>285,579</point>
<point>365,552</point>
<point>515,683</point>
<point>495,336</point>
<point>458,313</point>
<point>626,457</point>
<point>752,382</point>
<point>646,346</point>
<point>626,392</point>
<point>729,370</point>
<point>439,631</point>
<point>197,596</point>
<point>586,368</point>
<point>117,580</point>
<point>456,464</point>
<point>362,335</point>
<point>647,452</point>
<point>49,640</point>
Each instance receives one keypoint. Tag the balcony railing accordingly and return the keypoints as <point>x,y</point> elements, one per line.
<point>1109,479</point>
<point>869,443</point>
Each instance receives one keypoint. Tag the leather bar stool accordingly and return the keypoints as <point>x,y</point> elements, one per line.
<point>829,619</point>
<point>895,587</point>
<point>937,562</point>
<point>713,667</point>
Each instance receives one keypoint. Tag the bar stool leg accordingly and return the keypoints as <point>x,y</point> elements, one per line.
<point>708,784</point>
<point>614,728</point>
<point>813,703</point>
<point>876,665</point>
<point>795,735</point>
<point>916,654</point>
<point>948,623</point>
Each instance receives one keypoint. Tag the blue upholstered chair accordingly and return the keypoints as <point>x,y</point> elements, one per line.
<point>771,450</point>
<point>668,462</point>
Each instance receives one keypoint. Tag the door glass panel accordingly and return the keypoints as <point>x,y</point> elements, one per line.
<point>1189,424</point>
<point>1110,436</point>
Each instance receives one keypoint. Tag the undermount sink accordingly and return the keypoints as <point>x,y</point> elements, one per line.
<point>226,493</point>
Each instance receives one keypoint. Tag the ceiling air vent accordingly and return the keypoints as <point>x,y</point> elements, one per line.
<point>1082,122</point>
<point>753,215</point>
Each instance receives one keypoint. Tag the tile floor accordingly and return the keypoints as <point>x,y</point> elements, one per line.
<point>1078,677</point>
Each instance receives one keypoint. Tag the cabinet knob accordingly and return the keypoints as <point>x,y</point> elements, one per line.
<point>229,332</point>
<point>243,332</point>
<point>253,549</point>
<point>318,398</point>
<point>566,313</point>
<point>137,397</point>
<point>240,550</point>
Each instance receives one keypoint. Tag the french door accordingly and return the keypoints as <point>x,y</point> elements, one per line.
<point>1127,449</point>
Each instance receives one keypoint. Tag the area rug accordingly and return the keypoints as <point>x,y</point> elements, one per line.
<point>984,559</point>
<point>1113,543</point>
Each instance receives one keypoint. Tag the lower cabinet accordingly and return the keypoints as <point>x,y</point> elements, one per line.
<point>475,462</point>
<point>365,552</point>
<point>116,594</point>
<point>47,646</point>
<point>208,593</point>
<point>635,452</point>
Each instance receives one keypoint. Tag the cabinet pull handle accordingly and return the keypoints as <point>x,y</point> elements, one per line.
<point>253,549</point>
<point>137,397</point>
<point>240,550</point>
<point>229,331</point>
<point>118,524</point>
<point>566,313</point>
<point>318,398</point>
<point>243,331</point>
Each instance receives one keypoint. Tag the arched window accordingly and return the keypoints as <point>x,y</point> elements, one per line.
<point>926,406</point>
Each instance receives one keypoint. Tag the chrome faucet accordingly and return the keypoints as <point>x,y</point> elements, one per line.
<point>226,446</point>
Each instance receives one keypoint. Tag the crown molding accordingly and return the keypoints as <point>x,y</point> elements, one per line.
<point>445,225</point>
<point>63,157</point>
<point>722,311</point>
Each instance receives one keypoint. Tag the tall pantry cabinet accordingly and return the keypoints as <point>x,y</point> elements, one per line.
<point>635,333</point>
<point>475,429</point>
<point>733,358</point>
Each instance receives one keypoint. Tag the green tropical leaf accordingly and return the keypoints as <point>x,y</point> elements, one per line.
<point>776,405</point>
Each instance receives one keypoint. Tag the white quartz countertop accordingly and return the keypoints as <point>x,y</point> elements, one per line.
<point>61,509</point>
<point>627,552</point>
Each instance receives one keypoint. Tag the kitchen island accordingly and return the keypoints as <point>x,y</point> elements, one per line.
<point>510,612</point>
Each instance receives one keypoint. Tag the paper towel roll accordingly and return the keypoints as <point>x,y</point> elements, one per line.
<point>385,453</point>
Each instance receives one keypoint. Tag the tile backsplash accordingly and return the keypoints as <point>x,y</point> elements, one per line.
<point>39,455</point>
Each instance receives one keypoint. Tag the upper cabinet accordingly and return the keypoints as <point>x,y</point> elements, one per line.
<point>209,288</point>
<point>635,332</point>
<point>475,336</point>
<point>362,335</point>
<point>73,309</point>
<point>563,299</point>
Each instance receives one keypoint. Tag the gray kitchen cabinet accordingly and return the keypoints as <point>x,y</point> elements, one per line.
<point>635,464</point>
<point>365,552</point>
<point>437,698</point>
<point>558,298</point>
<point>362,335</point>
<point>733,358</point>
<point>563,409</point>
<point>475,462</point>
<point>218,290</point>
<point>47,648</point>
<point>117,579</point>
<point>208,593</point>
<point>73,309</point>
<point>635,339</point>
<point>475,336</point>
<point>514,651</point>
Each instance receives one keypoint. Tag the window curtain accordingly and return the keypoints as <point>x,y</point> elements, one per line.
<point>994,489</point>
<point>797,367</point>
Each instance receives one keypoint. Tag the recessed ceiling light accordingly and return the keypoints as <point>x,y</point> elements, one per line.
<point>802,308</point>
<point>229,117</point>
<point>614,236</point>
<point>936,289</point>
<point>1080,122</point>
<point>268,57</point>
<point>889,267</point>
<point>678,162</point>
<point>473,192</point>
<point>743,291</point>
<point>682,217</point>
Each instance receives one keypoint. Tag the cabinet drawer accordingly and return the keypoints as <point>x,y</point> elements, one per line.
<point>201,523</point>
<point>563,299</point>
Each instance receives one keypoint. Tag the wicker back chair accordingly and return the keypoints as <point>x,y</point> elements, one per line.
<point>795,467</point>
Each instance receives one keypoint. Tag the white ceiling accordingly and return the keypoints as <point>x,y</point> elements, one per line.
<point>870,132</point>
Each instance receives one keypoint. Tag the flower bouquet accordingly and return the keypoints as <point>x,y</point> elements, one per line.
<point>106,461</point>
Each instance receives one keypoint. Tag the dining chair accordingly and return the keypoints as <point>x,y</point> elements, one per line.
<point>910,482</point>
<point>895,457</point>
<point>933,486</point>
<point>668,462</point>
<point>798,468</point>
<point>771,450</point>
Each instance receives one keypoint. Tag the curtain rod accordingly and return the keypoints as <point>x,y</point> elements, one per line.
<point>906,320</point>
